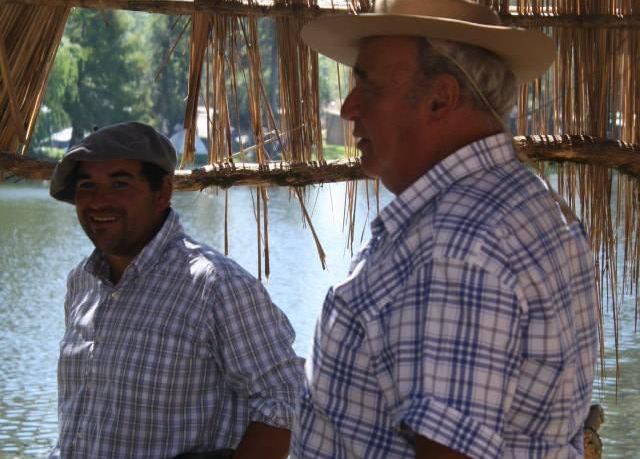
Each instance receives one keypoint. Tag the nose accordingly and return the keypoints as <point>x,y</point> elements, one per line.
<point>100,200</point>
<point>96,199</point>
<point>350,106</point>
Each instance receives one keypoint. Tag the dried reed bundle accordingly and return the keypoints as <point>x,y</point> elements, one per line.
<point>299,90</point>
<point>199,41</point>
<point>228,47</point>
<point>592,89</point>
<point>29,38</point>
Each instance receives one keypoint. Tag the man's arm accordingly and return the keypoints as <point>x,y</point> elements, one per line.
<point>255,343</point>
<point>264,442</point>
<point>428,449</point>
<point>453,335</point>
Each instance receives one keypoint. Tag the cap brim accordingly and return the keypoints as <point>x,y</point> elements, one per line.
<point>527,52</point>
<point>60,187</point>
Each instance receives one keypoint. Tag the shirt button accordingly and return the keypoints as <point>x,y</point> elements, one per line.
<point>115,295</point>
<point>503,232</point>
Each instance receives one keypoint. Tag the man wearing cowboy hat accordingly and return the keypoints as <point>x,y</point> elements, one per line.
<point>467,326</point>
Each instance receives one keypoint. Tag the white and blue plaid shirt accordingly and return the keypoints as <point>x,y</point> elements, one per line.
<point>181,355</point>
<point>470,318</point>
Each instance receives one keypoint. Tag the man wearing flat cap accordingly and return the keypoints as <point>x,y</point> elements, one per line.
<point>170,349</point>
<point>467,327</point>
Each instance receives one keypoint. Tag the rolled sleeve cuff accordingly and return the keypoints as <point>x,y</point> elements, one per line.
<point>276,413</point>
<point>440,423</point>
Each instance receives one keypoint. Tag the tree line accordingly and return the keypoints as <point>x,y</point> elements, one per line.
<point>114,66</point>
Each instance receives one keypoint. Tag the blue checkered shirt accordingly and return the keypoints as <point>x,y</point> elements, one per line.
<point>469,318</point>
<point>181,355</point>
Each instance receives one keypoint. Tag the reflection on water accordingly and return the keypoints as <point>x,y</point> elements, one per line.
<point>621,431</point>
<point>40,242</point>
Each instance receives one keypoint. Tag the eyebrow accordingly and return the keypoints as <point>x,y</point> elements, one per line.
<point>114,174</point>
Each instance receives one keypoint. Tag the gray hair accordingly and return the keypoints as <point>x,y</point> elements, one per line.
<point>490,73</point>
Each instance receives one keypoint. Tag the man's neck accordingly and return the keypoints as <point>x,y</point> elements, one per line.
<point>119,263</point>
<point>117,267</point>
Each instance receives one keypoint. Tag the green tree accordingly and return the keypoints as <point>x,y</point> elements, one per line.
<point>112,84</point>
<point>168,42</point>
<point>63,82</point>
<point>331,74</point>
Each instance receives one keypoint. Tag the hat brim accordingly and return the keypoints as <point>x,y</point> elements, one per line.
<point>61,187</point>
<point>528,53</point>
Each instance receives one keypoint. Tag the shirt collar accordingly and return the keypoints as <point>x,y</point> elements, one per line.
<point>482,154</point>
<point>97,263</point>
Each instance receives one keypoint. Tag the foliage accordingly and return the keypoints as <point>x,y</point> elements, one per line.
<point>63,81</point>
<point>111,84</point>
<point>114,65</point>
<point>169,52</point>
<point>334,81</point>
<point>331,152</point>
<point>48,152</point>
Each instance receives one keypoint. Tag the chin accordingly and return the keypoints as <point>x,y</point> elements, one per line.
<point>368,167</point>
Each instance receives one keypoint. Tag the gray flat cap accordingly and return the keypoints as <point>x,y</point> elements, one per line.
<point>130,140</point>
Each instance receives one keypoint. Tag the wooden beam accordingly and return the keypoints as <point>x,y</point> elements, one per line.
<point>582,149</point>
<point>187,7</point>
<point>574,21</point>
<point>279,174</point>
<point>26,168</point>
<point>613,154</point>
<point>265,8</point>
<point>221,175</point>
<point>175,7</point>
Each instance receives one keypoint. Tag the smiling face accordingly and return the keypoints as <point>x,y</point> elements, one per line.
<point>388,115</point>
<point>117,207</point>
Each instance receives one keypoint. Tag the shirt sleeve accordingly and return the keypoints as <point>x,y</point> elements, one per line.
<point>55,454</point>
<point>68,297</point>
<point>447,352</point>
<point>256,350</point>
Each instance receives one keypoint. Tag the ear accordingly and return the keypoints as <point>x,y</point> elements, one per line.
<point>163,198</point>
<point>444,95</point>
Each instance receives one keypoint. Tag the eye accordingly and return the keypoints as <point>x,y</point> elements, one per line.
<point>119,184</point>
<point>85,185</point>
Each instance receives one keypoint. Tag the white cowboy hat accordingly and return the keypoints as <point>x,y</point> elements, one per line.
<point>528,53</point>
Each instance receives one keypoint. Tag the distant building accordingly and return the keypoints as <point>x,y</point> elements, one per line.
<point>177,139</point>
<point>61,138</point>
<point>333,124</point>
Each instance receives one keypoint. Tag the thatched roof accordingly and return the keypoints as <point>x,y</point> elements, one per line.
<point>590,97</point>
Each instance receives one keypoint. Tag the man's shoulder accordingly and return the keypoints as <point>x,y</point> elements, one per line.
<point>485,207</point>
<point>80,270</point>
<point>200,259</point>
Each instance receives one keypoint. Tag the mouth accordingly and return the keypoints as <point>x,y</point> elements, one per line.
<point>102,222</point>
<point>97,219</point>
<point>361,139</point>
<point>362,143</point>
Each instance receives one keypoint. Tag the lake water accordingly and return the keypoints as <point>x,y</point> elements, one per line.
<point>40,241</point>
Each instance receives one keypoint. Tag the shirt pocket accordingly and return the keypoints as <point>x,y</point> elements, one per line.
<point>149,357</point>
